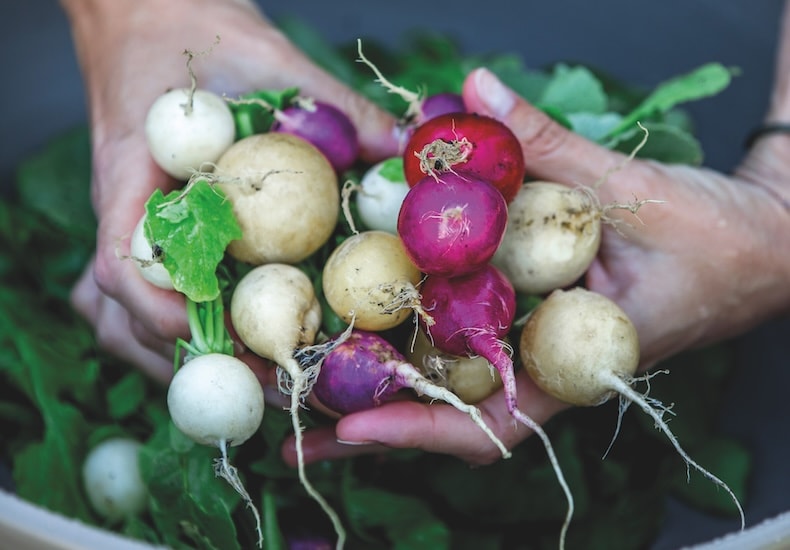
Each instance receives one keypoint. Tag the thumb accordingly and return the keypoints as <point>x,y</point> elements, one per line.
<point>551,151</point>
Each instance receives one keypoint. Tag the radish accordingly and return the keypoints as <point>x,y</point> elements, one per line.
<point>476,144</point>
<point>148,259</point>
<point>441,104</point>
<point>325,126</point>
<point>276,314</point>
<point>452,226</point>
<point>365,371</point>
<point>215,399</point>
<point>553,234</point>
<point>472,314</point>
<point>380,193</point>
<point>285,197</point>
<point>111,478</point>
<point>582,348</point>
<point>472,379</point>
<point>369,279</point>
<point>187,130</point>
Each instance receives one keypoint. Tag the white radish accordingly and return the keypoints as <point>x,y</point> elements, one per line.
<point>370,279</point>
<point>380,194</point>
<point>112,480</point>
<point>188,130</point>
<point>276,314</point>
<point>582,348</point>
<point>285,196</point>
<point>553,234</point>
<point>148,258</point>
<point>216,400</point>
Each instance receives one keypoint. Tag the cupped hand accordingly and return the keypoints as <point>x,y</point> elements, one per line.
<point>698,265</point>
<point>130,52</point>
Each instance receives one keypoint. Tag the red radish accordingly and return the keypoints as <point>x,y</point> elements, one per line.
<point>474,143</point>
<point>328,128</point>
<point>365,371</point>
<point>472,314</point>
<point>452,226</point>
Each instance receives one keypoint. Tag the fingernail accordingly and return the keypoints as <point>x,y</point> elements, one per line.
<point>497,97</point>
<point>346,442</point>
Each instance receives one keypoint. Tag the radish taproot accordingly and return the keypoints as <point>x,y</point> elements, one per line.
<point>477,144</point>
<point>112,480</point>
<point>553,234</point>
<point>582,348</point>
<point>276,314</point>
<point>472,315</point>
<point>187,130</point>
<point>472,379</point>
<point>369,278</point>
<point>285,197</point>
<point>366,371</point>
<point>452,226</point>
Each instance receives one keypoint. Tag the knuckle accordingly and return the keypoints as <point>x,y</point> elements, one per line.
<point>541,137</point>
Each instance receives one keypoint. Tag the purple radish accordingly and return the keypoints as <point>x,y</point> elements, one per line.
<point>471,315</point>
<point>365,371</point>
<point>452,224</point>
<point>328,128</point>
<point>440,104</point>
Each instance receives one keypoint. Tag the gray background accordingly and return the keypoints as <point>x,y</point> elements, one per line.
<point>639,42</point>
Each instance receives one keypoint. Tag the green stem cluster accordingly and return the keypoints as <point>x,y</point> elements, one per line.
<point>207,330</point>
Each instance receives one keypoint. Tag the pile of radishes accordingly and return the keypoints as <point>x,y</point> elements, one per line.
<point>449,233</point>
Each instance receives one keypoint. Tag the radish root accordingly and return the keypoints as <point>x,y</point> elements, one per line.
<point>656,413</point>
<point>423,386</point>
<point>224,469</point>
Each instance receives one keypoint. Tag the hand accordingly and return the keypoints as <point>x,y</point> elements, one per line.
<point>130,52</point>
<point>705,264</point>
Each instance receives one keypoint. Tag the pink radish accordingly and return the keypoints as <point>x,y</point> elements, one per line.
<point>472,314</point>
<point>452,226</point>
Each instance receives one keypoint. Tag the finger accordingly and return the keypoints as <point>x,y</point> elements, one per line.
<point>120,207</point>
<point>443,429</point>
<point>322,444</point>
<point>551,151</point>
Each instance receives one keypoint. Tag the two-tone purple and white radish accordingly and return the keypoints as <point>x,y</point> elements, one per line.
<point>365,371</point>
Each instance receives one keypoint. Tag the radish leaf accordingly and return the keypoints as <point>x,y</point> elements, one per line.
<point>192,229</point>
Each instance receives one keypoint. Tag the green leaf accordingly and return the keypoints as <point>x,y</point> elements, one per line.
<point>705,81</point>
<point>665,143</point>
<point>126,396</point>
<point>56,183</point>
<point>392,169</point>
<point>408,523</point>
<point>252,112</point>
<point>594,126</point>
<point>192,228</point>
<point>574,90</point>
<point>186,498</point>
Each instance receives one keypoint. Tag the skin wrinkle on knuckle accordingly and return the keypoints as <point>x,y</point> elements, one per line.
<point>540,136</point>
